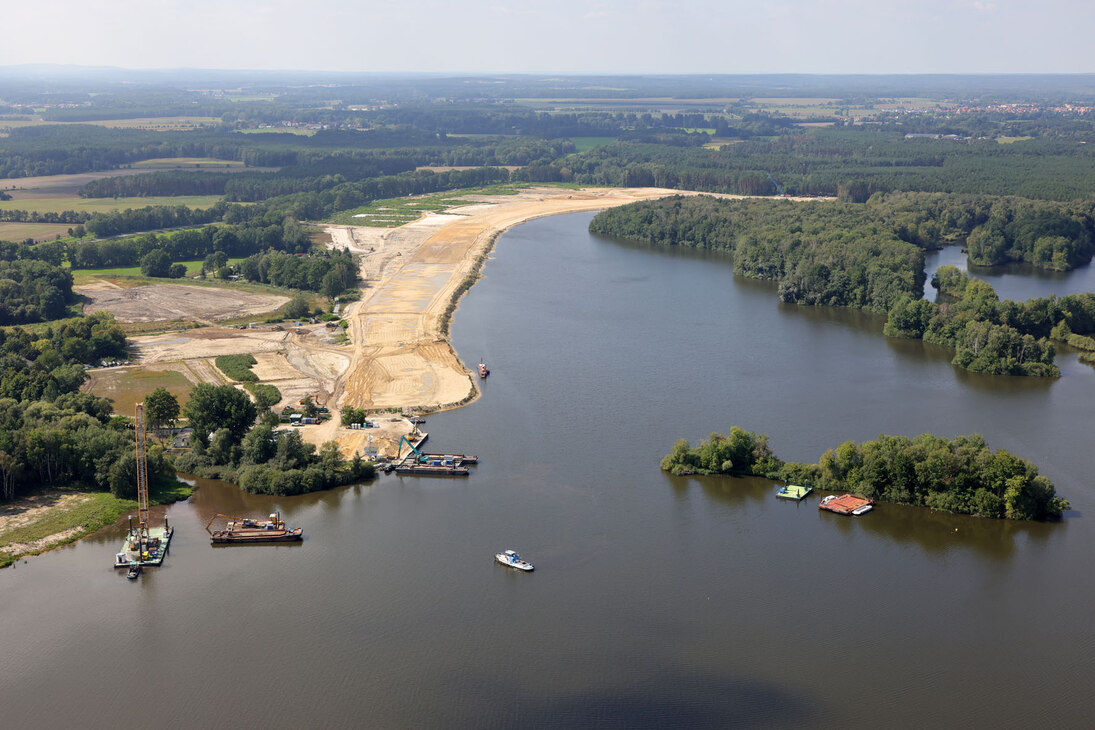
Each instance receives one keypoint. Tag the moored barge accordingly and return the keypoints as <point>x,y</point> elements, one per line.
<point>846,504</point>
<point>245,530</point>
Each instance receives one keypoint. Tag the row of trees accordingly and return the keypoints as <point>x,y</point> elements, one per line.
<point>961,475</point>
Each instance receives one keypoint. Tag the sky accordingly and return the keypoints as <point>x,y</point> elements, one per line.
<point>558,36</point>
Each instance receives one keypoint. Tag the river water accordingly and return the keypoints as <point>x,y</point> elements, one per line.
<point>657,601</point>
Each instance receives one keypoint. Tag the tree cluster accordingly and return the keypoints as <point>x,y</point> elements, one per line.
<point>962,475</point>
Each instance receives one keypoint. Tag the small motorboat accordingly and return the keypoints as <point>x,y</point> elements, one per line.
<point>134,571</point>
<point>513,560</point>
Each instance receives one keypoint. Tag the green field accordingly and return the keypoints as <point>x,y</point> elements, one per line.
<point>173,163</point>
<point>129,386</point>
<point>98,511</point>
<point>584,144</point>
<point>193,268</point>
<point>395,212</point>
<point>1012,140</point>
<point>19,232</point>
<point>105,205</point>
<point>300,131</point>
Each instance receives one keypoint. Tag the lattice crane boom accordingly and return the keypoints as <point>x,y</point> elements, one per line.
<point>142,473</point>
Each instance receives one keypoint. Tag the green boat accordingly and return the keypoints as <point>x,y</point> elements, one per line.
<point>793,491</point>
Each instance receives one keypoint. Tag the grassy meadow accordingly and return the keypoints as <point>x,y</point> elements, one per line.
<point>104,205</point>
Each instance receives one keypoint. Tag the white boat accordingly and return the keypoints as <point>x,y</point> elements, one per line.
<point>513,560</point>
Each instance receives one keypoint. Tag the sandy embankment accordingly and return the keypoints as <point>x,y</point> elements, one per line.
<point>399,356</point>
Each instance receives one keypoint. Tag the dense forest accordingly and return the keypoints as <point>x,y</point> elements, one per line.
<point>50,433</point>
<point>962,475</point>
<point>870,256</point>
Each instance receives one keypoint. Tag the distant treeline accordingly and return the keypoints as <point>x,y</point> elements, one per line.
<point>962,475</point>
<point>852,163</point>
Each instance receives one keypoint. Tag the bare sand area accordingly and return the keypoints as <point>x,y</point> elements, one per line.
<point>399,356</point>
<point>25,511</point>
<point>158,302</point>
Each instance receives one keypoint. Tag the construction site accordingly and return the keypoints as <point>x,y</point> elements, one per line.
<point>396,357</point>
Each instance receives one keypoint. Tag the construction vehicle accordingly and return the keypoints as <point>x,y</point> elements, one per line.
<point>779,188</point>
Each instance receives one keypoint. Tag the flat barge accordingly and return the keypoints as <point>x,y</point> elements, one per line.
<point>243,530</point>
<point>450,459</point>
<point>793,491</point>
<point>846,504</point>
<point>426,470</point>
<point>148,549</point>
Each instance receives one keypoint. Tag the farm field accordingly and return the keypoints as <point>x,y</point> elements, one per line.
<point>186,163</point>
<point>66,186</point>
<point>165,124</point>
<point>82,276</point>
<point>103,205</point>
<point>128,386</point>
<point>38,231</point>
<point>299,131</point>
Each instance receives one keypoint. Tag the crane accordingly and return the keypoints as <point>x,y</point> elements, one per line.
<point>142,475</point>
<point>779,188</point>
<point>405,440</point>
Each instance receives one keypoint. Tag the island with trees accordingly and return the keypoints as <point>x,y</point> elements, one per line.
<point>961,475</point>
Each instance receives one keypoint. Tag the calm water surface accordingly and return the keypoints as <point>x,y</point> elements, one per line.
<point>657,601</point>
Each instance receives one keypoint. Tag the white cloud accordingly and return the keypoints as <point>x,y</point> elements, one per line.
<point>984,7</point>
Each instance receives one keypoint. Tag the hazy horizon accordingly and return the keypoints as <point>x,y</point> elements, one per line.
<point>606,37</point>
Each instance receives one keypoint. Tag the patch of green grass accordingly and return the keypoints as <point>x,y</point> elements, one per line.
<point>266,395</point>
<point>1012,140</point>
<point>37,231</point>
<point>171,163</point>
<point>105,205</point>
<point>299,131</point>
<point>193,268</point>
<point>238,367</point>
<point>394,212</point>
<point>583,144</point>
<point>99,510</point>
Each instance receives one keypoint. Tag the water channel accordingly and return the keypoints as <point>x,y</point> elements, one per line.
<point>657,601</point>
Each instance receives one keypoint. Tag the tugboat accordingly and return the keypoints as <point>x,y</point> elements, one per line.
<point>134,571</point>
<point>484,371</point>
<point>511,559</point>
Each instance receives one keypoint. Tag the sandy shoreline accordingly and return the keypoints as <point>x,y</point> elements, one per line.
<point>399,356</point>
<point>413,276</point>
